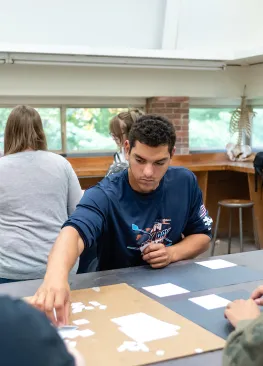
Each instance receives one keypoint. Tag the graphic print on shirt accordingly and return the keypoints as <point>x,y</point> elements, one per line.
<point>207,220</point>
<point>157,234</point>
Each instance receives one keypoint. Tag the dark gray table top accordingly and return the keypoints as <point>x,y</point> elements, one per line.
<point>136,277</point>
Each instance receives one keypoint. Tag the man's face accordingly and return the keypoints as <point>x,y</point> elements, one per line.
<point>147,165</point>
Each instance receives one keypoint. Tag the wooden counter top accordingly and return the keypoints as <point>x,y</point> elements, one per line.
<point>98,166</point>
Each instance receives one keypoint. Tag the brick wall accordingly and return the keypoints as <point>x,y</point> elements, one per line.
<point>176,109</point>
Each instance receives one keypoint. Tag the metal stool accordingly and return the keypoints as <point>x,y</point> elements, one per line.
<point>240,204</point>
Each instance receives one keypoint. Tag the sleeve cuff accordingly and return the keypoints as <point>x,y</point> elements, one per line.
<point>242,324</point>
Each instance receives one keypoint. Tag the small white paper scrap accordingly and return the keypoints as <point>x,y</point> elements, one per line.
<point>94,303</point>
<point>69,333</point>
<point>77,310</point>
<point>97,289</point>
<point>133,347</point>
<point>86,333</point>
<point>76,304</point>
<point>199,350</point>
<point>81,321</point>
<point>166,289</point>
<point>103,307</point>
<point>216,264</point>
<point>160,352</point>
<point>210,302</point>
<point>89,308</point>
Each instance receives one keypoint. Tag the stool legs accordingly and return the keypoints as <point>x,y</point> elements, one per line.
<point>255,229</point>
<point>241,229</point>
<point>229,231</point>
<point>216,229</point>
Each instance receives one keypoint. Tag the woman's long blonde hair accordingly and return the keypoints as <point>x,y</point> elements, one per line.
<point>24,130</point>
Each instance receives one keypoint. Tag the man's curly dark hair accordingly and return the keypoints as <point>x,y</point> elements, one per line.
<point>153,131</point>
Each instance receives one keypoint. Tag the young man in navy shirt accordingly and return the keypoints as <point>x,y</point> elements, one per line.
<point>150,213</point>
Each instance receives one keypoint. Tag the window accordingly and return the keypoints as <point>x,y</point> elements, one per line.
<point>88,129</point>
<point>257,130</point>
<point>4,113</point>
<point>51,123</point>
<point>51,120</point>
<point>209,128</point>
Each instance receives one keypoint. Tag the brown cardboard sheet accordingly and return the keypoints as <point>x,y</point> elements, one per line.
<point>120,300</point>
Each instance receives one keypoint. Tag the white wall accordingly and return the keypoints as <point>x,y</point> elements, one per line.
<point>62,81</point>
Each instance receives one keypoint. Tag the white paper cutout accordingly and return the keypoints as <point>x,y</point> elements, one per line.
<point>199,350</point>
<point>144,328</point>
<point>81,321</point>
<point>89,308</point>
<point>94,303</point>
<point>216,264</point>
<point>77,310</point>
<point>160,352</point>
<point>86,333</point>
<point>71,334</point>
<point>76,304</point>
<point>166,289</point>
<point>210,302</point>
<point>97,289</point>
<point>103,307</point>
<point>132,347</point>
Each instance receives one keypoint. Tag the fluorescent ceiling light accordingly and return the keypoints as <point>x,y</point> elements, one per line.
<point>110,61</point>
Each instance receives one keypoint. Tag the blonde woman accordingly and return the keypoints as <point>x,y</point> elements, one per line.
<point>38,191</point>
<point>120,126</point>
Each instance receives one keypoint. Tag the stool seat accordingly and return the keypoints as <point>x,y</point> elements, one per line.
<point>233,203</point>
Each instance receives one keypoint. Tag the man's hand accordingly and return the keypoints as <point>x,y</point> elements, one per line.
<point>53,294</point>
<point>257,294</point>
<point>157,255</point>
<point>241,310</point>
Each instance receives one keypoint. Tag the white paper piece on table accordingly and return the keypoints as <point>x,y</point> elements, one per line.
<point>216,264</point>
<point>210,302</point>
<point>166,289</point>
<point>103,307</point>
<point>73,333</point>
<point>144,328</point>
<point>76,304</point>
<point>160,352</point>
<point>86,333</point>
<point>89,307</point>
<point>94,303</point>
<point>77,310</point>
<point>97,289</point>
<point>81,321</point>
<point>132,346</point>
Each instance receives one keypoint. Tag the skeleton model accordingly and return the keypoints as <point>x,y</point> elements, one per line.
<point>240,123</point>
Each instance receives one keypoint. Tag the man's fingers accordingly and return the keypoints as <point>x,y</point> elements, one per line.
<point>257,293</point>
<point>157,259</point>
<point>159,265</point>
<point>60,302</point>
<point>259,302</point>
<point>161,253</point>
<point>152,248</point>
<point>40,300</point>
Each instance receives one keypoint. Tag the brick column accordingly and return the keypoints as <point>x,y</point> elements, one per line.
<point>176,109</point>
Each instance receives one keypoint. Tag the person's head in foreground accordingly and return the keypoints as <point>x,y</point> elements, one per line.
<point>28,338</point>
<point>24,131</point>
<point>149,150</point>
<point>244,346</point>
<point>121,124</point>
